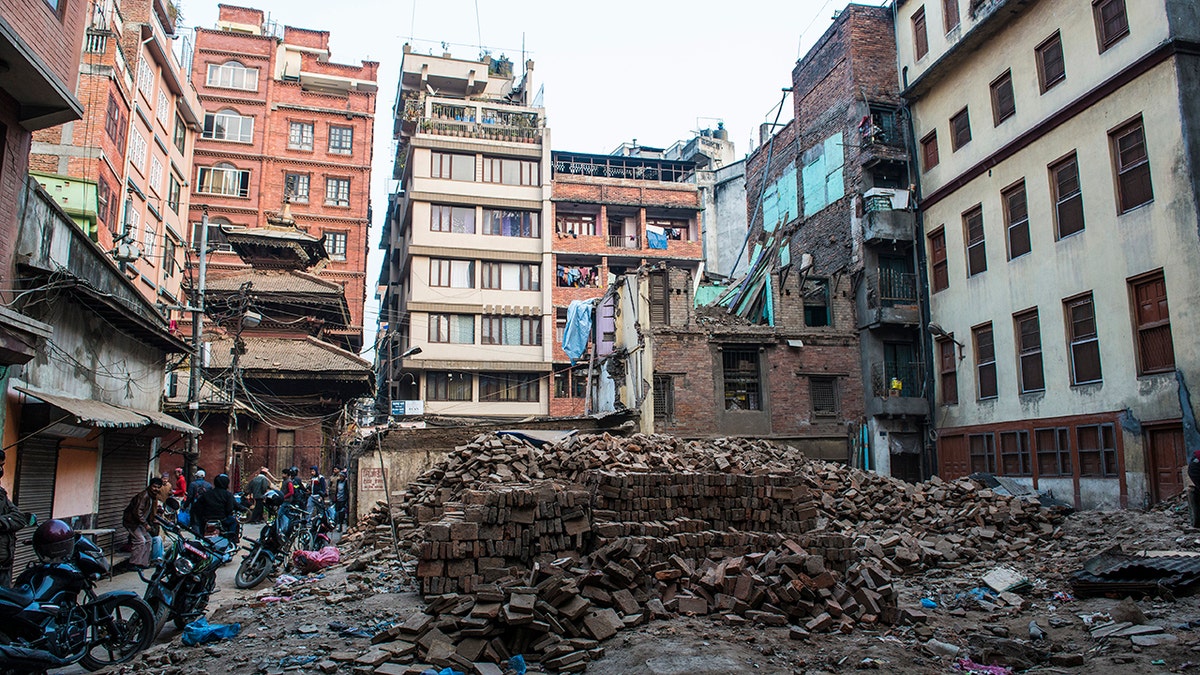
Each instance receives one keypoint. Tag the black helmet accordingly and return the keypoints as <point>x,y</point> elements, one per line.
<point>221,482</point>
<point>54,541</point>
<point>273,498</point>
<point>294,471</point>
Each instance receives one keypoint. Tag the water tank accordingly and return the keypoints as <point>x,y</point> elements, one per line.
<point>721,133</point>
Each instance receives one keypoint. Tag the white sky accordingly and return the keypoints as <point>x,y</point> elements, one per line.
<point>613,71</point>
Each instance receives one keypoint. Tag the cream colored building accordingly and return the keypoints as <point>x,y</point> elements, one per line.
<point>467,276</point>
<point>1057,154</point>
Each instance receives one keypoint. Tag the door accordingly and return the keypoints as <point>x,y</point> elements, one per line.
<point>37,468</point>
<point>285,449</point>
<point>1167,459</point>
<point>124,472</point>
<point>953,461</point>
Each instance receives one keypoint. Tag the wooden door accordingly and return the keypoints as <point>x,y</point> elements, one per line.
<point>953,461</point>
<point>1167,459</point>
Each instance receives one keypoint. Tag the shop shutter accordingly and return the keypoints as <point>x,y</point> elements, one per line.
<point>124,470</point>
<point>37,466</point>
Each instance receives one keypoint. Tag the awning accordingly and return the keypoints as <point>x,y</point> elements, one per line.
<point>108,416</point>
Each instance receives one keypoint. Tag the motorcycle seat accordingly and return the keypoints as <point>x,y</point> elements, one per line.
<point>17,596</point>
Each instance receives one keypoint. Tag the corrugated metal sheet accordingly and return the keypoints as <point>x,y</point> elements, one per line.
<point>37,466</point>
<point>1114,571</point>
<point>107,415</point>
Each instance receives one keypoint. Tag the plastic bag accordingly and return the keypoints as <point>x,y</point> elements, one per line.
<point>201,631</point>
<point>311,561</point>
<point>183,518</point>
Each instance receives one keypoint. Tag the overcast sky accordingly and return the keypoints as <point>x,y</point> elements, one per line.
<point>654,70</point>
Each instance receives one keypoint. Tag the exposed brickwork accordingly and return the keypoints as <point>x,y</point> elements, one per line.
<point>57,38</point>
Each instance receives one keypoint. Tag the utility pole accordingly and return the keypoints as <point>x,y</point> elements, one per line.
<point>239,347</point>
<point>189,460</point>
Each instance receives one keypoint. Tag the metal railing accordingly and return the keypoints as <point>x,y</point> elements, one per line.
<point>901,379</point>
<point>632,241</point>
<point>895,288</point>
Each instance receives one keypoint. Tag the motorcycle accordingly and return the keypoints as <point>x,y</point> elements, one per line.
<point>320,524</point>
<point>181,585</point>
<point>223,540</point>
<point>46,626</point>
<point>282,534</point>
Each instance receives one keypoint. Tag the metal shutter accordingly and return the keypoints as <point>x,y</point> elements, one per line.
<point>37,467</point>
<point>124,470</point>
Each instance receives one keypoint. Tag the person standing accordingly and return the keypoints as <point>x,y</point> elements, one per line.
<point>341,496</point>
<point>180,491</point>
<point>136,520</point>
<point>198,487</point>
<point>258,487</point>
<point>318,489</point>
<point>12,520</point>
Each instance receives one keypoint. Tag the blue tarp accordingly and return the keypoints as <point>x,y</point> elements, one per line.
<point>656,239</point>
<point>579,328</point>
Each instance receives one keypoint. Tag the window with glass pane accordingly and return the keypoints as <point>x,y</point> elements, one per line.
<point>1051,67</point>
<point>509,387</point>
<point>300,135</point>
<point>174,191</point>
<point>1029,351</point>
<point>939,268</point>
<point>1015,458</point>
<point>511,223</point>
<point>1068,197</point>
<point>162,110</point>
<point>1133,166</point>
<point>983,453</point>
<point>741,378</point>
<point>985,362</point>
<point>1111,22</point>
<point>169,263</point>
<point>452,328</point>
<point>511,171</point>
<point>341,140</point>
<point>337,192</point>
<point>335,244</point>
<point>1053,452</point>
<point>229,125</point>
<point>948,370</point>
<point>296,185</point>
<point>232,75</point>
<point>976,250</point>
<point>180,135</point>
<point>451,166</point>
<point>223,179</point>
<point>445,386</point>
<point>1155,347</point>
<point>574,224</point>
<point>1097,445</point>
<point>457,219</point>
<point>1016,217</point>
<point>511,330</point>
<point>1085,342</point>
<point>451,273</point>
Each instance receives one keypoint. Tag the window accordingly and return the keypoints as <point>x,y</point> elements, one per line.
<point>1068,197</point>
<point>1004,105</point>
<point>741,377</point>
<point>337,192</point>
<point>929,150</point>
<point>174,191</point>
<point>939,268</point>
<point>511,223</point>
<point>664,398</point>
<point>228,125</point>
<point>1029,351</point>
<point>1097,446</point>
<point>56,5</point>
<point>453,167</point>
<point>296,187</point>
<point>458,219</point>
<point>451,273</point>
<point>571,382</point>
<point>511,171</point>
<point>452,328</point>
<point>232,75</point>
<point>674,230</point>
<point>1156,349</point>
<point>1053,452</point>
<point>950,14</point>
<point>180,135</point>
<point>920,36</point>
<point>511,330</point>
<point>1111,22</point>
<point>1050,65</point>
<point>816,302</point>
<point>443,386</point>
<point>983,453</point>
<point>960,130</point>
<point>106,203</point>
<point>1015,458</point>
<point>132,218</point>
<point>300,136</point>
<point>156,175</point>
<point>985,361</point>
<point>1016,219</point>
<point>216,238</point>
<point>149,239</point>
<point>976,248</point>
<point>1085,343</point>
<point>660,299</point>
<point>335,245</point>
<point>948,371</point>
<point>162,111</point>
<point>574,224</point>
<point>115,122</point>
<point>137,150</point>
<point>512,276</point>
<point>824,394</point>
<point>169,264</point>
<point>223,179</point>
<point>509,387</point>
<point>1133,166</point>
<point>145,78</point>
<point>341,140</point>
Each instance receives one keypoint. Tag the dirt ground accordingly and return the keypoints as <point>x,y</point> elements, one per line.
<point>327,622</point>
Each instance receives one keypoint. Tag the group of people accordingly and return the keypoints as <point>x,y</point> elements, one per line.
<point>305,494</point>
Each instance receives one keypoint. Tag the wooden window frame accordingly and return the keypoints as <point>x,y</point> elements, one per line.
<point>975,247</point>
<point>334,186</point>
<point>1080,338</point>
<point>985,361</point>
<point>929,151</point>
<point>833,396</point>
<point>509,387</point>
<point>963,118</point>
<point>950,15</point>
<point>441,386</point>
<point>1105,460</point>
<point>1020,452</point>
<point>920,30</point>
<point>1059,454</point>
<point>738,381</point>
<point>292,187</point>
<point>1143,329</point>
<point>664,398</point>
<point>575,224</point>
<point>1002,86</point>
<point>982,458</point>
<point>1065,201</point>
<point>333,237</point>
<point>1016,224</point>
<point>948,370</point>
<point>345,140</point>
<point>297,139</point>
<point>1045,84</point>
<point>1029,351</point>
<point>1103,40</point>
<point>1126,167</point>
<point>939,266</point>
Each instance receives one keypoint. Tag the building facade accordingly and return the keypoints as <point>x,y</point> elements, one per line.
<point>313,150</point>
<point>1058,174</point>
<point>465,287</point>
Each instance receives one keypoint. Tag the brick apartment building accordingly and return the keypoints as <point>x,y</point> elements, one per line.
<point>313,149</point>
<point>121,170</point>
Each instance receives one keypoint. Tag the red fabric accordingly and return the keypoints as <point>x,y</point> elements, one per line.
<point>311,561</point>
<point>180,487</point>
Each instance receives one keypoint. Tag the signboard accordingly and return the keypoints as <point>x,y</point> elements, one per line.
<point>370,478</point>
<point>408,407</point>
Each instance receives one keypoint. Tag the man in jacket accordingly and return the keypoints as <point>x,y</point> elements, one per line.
<point>258,487</point>
<point>12,520</point>
<point>216,504</point>
<point>136,520</point>
<point>340,491</point>
<point>198,487</point>
<point>318,489</point>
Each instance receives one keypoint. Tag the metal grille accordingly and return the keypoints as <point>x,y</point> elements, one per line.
<point>37,466</point>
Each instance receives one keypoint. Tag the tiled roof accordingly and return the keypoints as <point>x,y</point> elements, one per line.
<point>292,355</point>
<point>275,282</point>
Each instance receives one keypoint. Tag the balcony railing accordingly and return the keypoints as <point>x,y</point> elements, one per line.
<point>485,131</point>
<point>895,288</point>
<point>632,241</point>
<point>899,379</point>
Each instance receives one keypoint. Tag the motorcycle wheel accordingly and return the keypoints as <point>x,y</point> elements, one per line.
<point>160,610</point>
<point>190,605</point>
<point>127,629</point>
<point>254,568</point>
<point>305,541</point>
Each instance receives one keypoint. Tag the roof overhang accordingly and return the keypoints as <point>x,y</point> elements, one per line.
<point>103,415</point>
<point>44,100</point>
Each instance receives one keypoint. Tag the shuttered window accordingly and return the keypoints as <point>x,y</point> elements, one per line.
<point>1016,219</point>
<point>950,14</point>
<point>960,129</point>
<point>1015,459</point>
<point>948,371</point>
<point>920,34</point>
<point>1029,351</point>
<point>985,361</point>
<point>1068,197</point>
<point>659,303</point>
<point>1132,166</point>
<point>1097,445</point>
<point>1053,451</point>
<point>976,249</point>
<point>1004,104</point>
<point>1051,67</point>
<point>983,453</point>
<point>1111,22</point>
<point>1084,340</point>
<point>929,150</point>
<point>940,271</point>
<point>1156,349</point>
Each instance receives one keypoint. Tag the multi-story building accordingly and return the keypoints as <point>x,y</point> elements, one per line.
<point>1058,148</point>
<point>121,170</point>
<point>313,149</point>
<point>466,279</point>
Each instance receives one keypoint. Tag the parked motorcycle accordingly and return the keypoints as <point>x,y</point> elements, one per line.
<point>180,587</point>
<point>320,525</point>
<point>224,541</point>
<point>284,532</point>
<point>44,624</point>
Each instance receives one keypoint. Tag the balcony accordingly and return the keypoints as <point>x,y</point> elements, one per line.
<point>891,300</point>
<point>470,120</point>
<point>898,389</point>
<point>628,241</point>
<point>887,216</point>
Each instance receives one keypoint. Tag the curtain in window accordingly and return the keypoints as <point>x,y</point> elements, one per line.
<point>512,330</point>
<point>510,277</point>
<point>462,329</point>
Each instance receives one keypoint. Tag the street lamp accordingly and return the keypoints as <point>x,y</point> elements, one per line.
<point>411,351</point>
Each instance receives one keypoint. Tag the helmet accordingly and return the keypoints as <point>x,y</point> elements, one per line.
<point>294,471</point>
<point>273,498</point>
<point>200,473</point>
<point>221,482</point>
<point>54,541</point>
